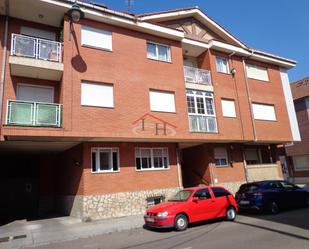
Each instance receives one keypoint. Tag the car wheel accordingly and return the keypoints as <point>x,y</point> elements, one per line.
<point>181,222</point>
<point>230,214</point>
<point>273,207</point>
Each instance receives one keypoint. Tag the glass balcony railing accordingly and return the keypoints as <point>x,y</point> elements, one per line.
<point>26,113</point>
<point>31,47</point>
<point>197,76</point>
<point>199,123</point>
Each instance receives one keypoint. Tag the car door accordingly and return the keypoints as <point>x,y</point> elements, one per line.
<point>294,194</point>
<point>202,206</point>
<point>221,200</point>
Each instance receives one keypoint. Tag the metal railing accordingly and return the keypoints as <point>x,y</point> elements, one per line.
<point>37,48</point>
<point>199,123</point>
<point>197,76</point>
<point>27,113</point>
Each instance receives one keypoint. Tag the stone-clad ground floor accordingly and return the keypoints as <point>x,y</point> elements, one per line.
<point>97,180</point>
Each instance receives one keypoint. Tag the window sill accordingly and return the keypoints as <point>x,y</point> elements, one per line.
<point>224,73</point>
<point>152,169</point>
<point>273,121</point>
<point>95,106</point>
<point>153,59</point>
<point>265,81</point>
<point>104,172</point>
<point>163,112</point>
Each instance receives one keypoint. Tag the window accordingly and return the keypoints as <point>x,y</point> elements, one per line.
<point>162,101</point>
<point>104,160</point>
<point>228,108</point>
<point>203,194</point>
<point>301,162</point>
<point>264,112</point>
<point>151,201</point>
<point>222,65</point>
<point>201,111</point>
<point>39,33</point>
<point>221,158</point>
<point>96,38</point>
<point>253,156</point>
<point>219,192</point>
<point>151,158</point>
<point>35,93</point>
<point>97,94</point>
<point>158,52</point>
<point>257,72</point>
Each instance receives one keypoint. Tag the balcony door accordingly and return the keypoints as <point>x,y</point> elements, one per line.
<point>38,33</point>
<point>35,93</point>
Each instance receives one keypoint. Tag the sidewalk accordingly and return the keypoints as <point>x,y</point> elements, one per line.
<point>31,233</point>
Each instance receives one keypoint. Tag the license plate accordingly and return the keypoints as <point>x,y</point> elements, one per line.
<point>150,219</point>
<point>244,202</point>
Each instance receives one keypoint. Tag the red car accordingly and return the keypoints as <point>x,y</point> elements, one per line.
<point>192,205</point>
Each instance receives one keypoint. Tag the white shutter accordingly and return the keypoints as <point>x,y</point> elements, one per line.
<point>35,93</point>
<point>264,112</point>
<point>220,152</point>
<point>38,33</point>
<point>162,101</point>
<point>97,94</point>
<point>97,38</point>
<point>228,108</point>
<point>257,72</point>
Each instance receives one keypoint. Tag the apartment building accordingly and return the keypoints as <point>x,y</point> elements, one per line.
<point>106,114</point>
<point>298,153</point>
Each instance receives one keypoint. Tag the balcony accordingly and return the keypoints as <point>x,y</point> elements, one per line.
<point>199,123</point>
<point>26,113</point>
<point>36,58</point>
<point>198,76</point>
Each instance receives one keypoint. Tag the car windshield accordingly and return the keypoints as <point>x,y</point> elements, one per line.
<point>248,187</point>
<point>181,195</point>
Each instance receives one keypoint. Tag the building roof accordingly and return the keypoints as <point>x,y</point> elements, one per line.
<point>300,88</point>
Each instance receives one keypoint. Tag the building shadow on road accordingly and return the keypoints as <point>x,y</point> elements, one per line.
<point>298,218</point>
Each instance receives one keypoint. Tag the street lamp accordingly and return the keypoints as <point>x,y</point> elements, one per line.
<point>75,13</point>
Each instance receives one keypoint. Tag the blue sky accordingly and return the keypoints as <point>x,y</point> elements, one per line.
<point>276,26</point>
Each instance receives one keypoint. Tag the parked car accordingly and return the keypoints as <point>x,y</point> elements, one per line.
<point>271,196</point>
<point>192,205</point>
<point>307,186</point>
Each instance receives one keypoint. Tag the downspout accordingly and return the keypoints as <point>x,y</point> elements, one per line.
<point>179,167</point>
<point>249,97</point>
<point>3,63</point>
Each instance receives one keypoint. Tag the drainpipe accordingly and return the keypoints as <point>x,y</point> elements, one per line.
<point>179,167</point>
<point>4,61</point>
<point>249,97</point>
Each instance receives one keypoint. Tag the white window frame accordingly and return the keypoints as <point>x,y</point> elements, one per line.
<point>227,65</point>
<point>38,86</point>
<point>169,56</point>
<point>106,32</point>
<point>256,115</point>
<point>151,101</point>
<point>256,67</point>
<point>205,95</point>
<point>225,112</point>
<point>219,157</point>
<point>97,151</point>
<point>112,105</point>
<point>138,154</point>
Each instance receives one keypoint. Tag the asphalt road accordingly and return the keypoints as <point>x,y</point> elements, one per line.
<point>286,230</point>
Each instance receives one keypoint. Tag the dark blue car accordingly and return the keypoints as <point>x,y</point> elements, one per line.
<point>271,196</point>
